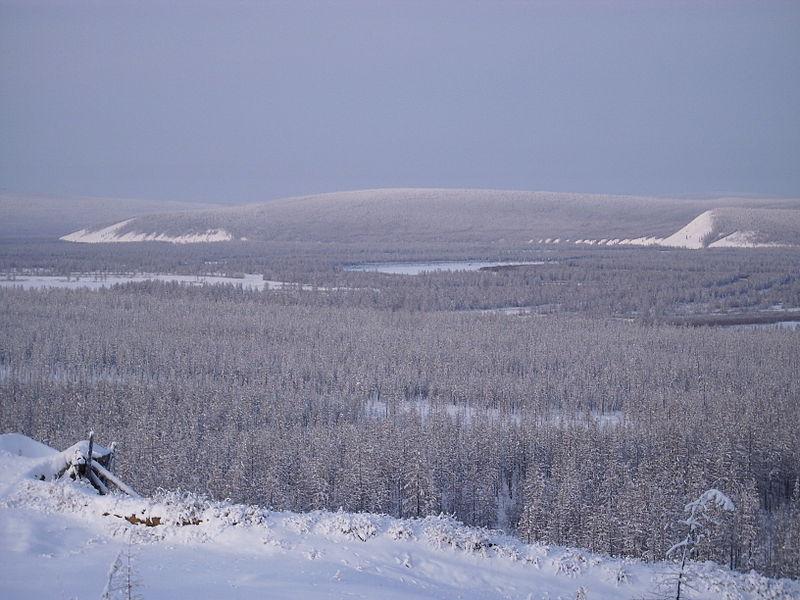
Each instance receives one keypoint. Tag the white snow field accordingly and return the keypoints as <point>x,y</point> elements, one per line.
<point>59,539</point>
<point>96,281</point>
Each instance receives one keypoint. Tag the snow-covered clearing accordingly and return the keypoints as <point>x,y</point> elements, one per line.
<point>112,234</point>
<point>409,268</point>
<point>59,539</point>
<point>96,281</point>
<point>467,415</point>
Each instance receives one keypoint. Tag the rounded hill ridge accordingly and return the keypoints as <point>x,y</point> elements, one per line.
<point>423,215</point>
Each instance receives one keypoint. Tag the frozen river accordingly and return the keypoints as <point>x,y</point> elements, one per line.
<point>412,268</point>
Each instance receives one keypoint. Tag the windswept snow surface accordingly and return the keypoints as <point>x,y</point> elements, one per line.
<point>60,540</point>
<point>112,234</point>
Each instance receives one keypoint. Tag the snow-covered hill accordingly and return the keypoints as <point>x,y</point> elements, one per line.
<point>37,216</point>
<point>59,539</point>
<point>415,216</point>
<point>726,228</point>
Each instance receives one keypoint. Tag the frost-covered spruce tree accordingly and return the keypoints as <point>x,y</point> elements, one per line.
<point>696,526</point>
<point>787,542</point>
<point>419,496</point>
<point>533,520</point>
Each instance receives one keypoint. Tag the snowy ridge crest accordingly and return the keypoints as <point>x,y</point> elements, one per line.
<point>413,216</point>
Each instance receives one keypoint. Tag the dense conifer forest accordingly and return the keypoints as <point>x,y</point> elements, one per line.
<point>589,420</point>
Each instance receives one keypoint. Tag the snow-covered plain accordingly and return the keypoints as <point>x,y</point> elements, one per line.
<point>97,281</point>
<point>59,539</point>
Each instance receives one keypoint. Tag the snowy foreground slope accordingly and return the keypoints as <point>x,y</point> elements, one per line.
<point>61,540</point>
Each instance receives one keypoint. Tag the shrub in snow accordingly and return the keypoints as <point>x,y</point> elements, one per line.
<point>300,523</point>
<point>616,574</point>
<point>475,541</point>
<point>356,526</point>
<point>179,507</point>
<point>439,531</point>
<point>573,563</point>
<point>445,531</point>
<point>400,531</point>
<point>509,552</point>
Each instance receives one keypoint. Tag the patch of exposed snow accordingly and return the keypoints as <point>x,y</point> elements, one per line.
<point>21,445</point>
<point>642,241</point>
<point>693,234</point>
<point>106,234</point>
<point>111,234</point>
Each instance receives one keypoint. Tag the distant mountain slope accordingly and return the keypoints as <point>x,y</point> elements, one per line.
<point>430,215</point>
<point>37,216</point>
<point>726,228</point>
<point>59,539</point>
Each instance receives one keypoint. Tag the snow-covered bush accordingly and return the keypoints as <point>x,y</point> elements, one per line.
<point>400,530</point>
<point>355,526</point>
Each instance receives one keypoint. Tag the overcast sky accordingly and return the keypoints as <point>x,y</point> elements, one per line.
<point>243,101</point>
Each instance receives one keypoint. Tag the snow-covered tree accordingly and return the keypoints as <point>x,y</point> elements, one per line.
<point>696,526</point>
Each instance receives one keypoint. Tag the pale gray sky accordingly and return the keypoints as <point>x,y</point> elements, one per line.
<point>242,101</point>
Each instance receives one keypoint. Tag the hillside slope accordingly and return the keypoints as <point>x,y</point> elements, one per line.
<point>428,215</point>
<point>726,228</point>
<point>60,539</point>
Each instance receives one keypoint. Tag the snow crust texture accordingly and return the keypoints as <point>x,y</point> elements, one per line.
<point>60,539</point>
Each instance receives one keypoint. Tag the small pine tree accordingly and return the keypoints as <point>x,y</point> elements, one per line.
<point>696,525</point>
